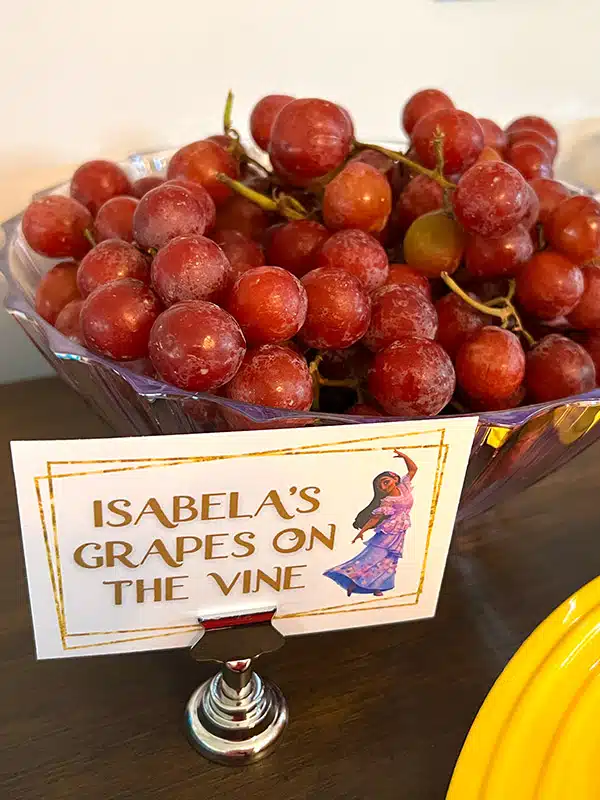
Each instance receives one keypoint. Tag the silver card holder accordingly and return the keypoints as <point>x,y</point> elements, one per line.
<point>236,717</point>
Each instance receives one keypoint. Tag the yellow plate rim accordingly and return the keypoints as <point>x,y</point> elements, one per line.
<point>478,764</point>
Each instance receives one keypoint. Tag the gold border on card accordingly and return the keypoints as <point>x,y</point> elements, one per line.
<point>52,545</point>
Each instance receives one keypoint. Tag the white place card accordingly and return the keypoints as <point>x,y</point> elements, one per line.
<point>129,541</point>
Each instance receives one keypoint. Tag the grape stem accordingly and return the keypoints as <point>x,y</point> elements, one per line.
<point>317,187</point>
<point>540,236</point>
<point>438,146</point>
<point>459,406</point>
<point>519,327</point>
<point>291,202</point>
<point>500,301</point>
<point>313,368</point>
<point>285,205</point>
<point>413,165</point>
<point>227,113</point>
<point>90,237</point>
<point>507,312</point>
<point>236,148</point>
<point>501,313</point>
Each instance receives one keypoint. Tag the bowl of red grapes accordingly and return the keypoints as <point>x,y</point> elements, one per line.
<point>302,276</point>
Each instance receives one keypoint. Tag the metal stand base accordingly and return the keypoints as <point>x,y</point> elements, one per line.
<point>236,718</point>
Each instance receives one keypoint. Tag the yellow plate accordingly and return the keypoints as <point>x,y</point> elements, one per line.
<point>537,735</point>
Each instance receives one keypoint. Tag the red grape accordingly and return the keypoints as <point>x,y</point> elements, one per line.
<point>576,235</point>
<point>412,377</point>
<point>534,124</point>
<point>95,182</point>
<point>196,346</point>
<point>400,175</point>
<point>359,197</point>
<point>240,214</point>
<point>491,199</point>
<point>590,340</point>
<point>489,289</point>
<point>488,154</point>
<point>375,159</point>
<point>270,232</point>
<point>339,309</point>
<point>294,245</point>
<point>358,253</point>
<point>114,219</point>
<point>434,243</point>
<point>68,322</point>
<point>421,104</point>
<point>569,208</point>
<point>399,311</point>
<point>536,138</point>
<point>269,303</point>
<point>190,268</point>
<point>273,375</point>
<point>349,120</point>
<point>530,160</point>
<point>263,116</point>
<point>404,275</point>
<point>586,313</point>
<point>490,365</point>
<point>365,410</point>
<point>242,253</point>
<point>222,139</point>
<point>462,139</point>
<point>202,197</point>
<point>493,135</point>
<point>390,236</point>
<point>533,209</point>
<point>421,195</point>
<point>457,320</point>
<point>550,194</point>
<point>352,362</point>
<point>309,138</point>
<point>549,285</point>
<point>558,367</point>
<point>495,258</point>
<point>55,226</point>
<point>164,213</point>
<point>56,288</point>
<point>143,185</point>
<point>108,261</point>
<point>500,404</point>
<point>539,328</point>
<point>201,162</point>
<point>116,319</point>
<point>559,225</point>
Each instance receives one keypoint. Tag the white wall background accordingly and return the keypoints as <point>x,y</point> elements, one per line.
<point>86,79</point>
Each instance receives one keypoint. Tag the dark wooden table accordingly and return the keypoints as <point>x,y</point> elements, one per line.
<point>375,714</point>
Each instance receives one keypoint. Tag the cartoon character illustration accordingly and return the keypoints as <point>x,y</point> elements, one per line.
<point>374,570</point>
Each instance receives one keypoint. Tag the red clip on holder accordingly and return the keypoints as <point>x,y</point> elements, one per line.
<point>235,717</point>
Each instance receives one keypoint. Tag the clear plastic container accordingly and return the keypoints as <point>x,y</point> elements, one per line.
<point>512,449</point>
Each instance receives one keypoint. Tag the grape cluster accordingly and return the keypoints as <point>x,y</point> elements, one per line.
<point>344,277</point>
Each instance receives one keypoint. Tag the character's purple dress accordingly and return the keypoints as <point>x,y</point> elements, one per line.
<point>374,570</point>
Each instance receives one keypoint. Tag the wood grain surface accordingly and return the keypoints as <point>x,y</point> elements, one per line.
<point>375,713</point>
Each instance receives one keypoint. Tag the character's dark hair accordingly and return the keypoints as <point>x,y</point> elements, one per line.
<point>363,517</point>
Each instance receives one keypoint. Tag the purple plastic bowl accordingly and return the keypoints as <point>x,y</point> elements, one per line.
<point>512,449</point>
